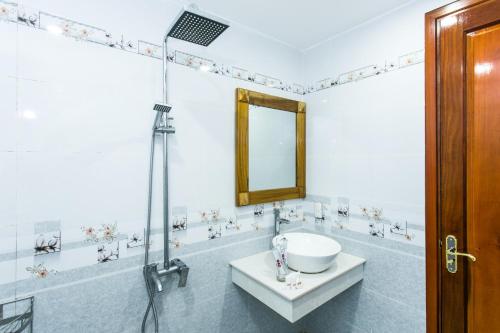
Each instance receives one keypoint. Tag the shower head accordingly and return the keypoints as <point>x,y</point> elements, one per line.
<point>162,107</point>
<point>195,27</point>
<point>162,116</point>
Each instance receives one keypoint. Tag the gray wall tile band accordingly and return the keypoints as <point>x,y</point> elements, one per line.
<point>117,302</point>
<point>210,301</point>
<point>366,312</point>
<point>114,296</point>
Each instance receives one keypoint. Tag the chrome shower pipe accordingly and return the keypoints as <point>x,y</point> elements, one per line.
<point>160,126</point>
<point>150,194</point>
<point>164,131</point>
<point>166,254</point>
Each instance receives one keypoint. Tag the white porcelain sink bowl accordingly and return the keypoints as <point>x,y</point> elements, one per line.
<point>310,253</point>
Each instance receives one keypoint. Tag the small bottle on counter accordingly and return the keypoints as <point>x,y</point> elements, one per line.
<point>281,269</point>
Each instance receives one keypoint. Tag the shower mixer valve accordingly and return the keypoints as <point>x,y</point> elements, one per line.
<point>156,275</point>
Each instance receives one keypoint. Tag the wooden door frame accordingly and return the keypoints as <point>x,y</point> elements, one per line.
<point>432,158</point>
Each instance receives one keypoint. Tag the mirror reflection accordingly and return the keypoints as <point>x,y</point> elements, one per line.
<point>272,148</point>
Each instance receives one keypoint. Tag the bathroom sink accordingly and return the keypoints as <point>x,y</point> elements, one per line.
<point>310,253</point>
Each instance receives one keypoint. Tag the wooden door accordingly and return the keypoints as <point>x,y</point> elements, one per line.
<point>463,166</point>
<point>483,178</point>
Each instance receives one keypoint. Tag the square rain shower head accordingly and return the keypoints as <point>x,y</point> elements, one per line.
<point>162,107</point>
<point>197,29</point>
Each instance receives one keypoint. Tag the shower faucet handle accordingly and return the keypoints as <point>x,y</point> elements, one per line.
<point>183,275</point>
<point>183,271</point>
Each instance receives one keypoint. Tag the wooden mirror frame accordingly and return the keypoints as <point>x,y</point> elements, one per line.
<point>244,197</point>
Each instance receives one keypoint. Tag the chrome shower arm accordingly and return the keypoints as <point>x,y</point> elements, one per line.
<point>165,62</point>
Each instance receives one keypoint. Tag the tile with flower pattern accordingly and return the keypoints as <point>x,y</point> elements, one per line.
<point>179,218</point>
<point>136,239</point>
<point>40,271</point>
<point>214,230</point>
<point>108,252</point>
<point>48,242</point>
<point>109,231</point>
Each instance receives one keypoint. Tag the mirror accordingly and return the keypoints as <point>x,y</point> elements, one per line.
<point>270,148</point>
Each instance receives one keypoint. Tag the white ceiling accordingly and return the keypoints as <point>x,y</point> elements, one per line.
<point>299,23</point>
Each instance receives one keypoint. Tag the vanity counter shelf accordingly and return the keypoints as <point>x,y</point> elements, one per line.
<point>256,275</point>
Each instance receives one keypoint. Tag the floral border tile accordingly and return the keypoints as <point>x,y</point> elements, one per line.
<point>214,230</point>
<point>108,252</point>
<point>397,229</point>
<point>107,232</point>
<point>298,89</point>
<point>136,239</point>
<point>376,229</point>
<point>193,61</point>
<point>411,58</point>
<point>175,243</point>
<point>211,215</point>
<point>179,218</point>
<point>231,223</point>
<point>258,210</point>
<point>70,28</point>
<point>40,271</point>
<point>48,242</point>
<point>27,16</point>
<point>343,206</point>
<point>242,74</point>
<point>149,49</point>
<point>8,11</point>
<point>90,234</point>
<point>295,213</point>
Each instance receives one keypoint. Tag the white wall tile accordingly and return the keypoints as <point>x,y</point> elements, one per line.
<point>82,188</point>
<point>8,114</point>
<point>365,140</point>
<point>8,36</point>
<point>8,186</point>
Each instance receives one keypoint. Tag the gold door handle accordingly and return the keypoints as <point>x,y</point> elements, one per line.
<point>468,255</point>
<point>452,254</point>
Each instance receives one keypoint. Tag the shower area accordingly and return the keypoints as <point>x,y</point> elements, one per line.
<point>190,26</point>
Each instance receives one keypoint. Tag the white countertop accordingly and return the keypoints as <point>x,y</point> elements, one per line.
<point>257,275</point>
